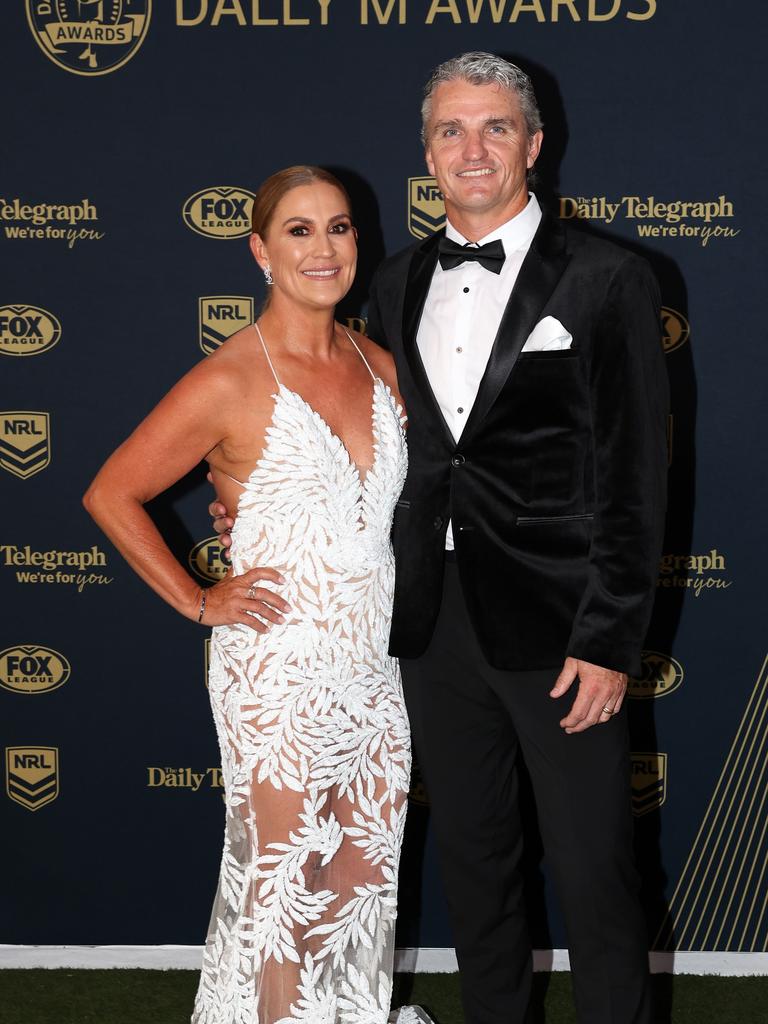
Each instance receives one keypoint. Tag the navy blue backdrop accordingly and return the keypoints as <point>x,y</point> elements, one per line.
<point>133,135</point>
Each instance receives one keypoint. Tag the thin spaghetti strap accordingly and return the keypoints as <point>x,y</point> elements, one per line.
<point>359,352</point>
<point>266,353</point>
<point>232,478</point>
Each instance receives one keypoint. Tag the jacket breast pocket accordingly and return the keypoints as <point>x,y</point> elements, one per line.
<point>564,353</point>
<point>581,517</point>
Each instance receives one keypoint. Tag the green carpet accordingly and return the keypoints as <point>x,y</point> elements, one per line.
<point>165,997</point>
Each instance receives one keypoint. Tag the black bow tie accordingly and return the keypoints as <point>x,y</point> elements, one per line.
<point>491,255</point>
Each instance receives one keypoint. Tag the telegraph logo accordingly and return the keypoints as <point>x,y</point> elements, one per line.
<point>32,775</point>
<point>675,329</point>
<point>221,316</point>
<point>32,669</point>
<point>27,330</point>
<point>661,675</point>
<point>25,442</point>
<point>89,37</point>
<point>207,561</point>
<point>649,782</point>
<point>426,211</point>
<point>219,212</point>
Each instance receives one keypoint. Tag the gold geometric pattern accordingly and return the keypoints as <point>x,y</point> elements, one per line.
<point>721,900</point>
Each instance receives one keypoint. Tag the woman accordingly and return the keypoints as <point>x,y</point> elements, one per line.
<point>299,421</point>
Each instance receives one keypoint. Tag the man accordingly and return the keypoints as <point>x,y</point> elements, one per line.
<point>527,540</point>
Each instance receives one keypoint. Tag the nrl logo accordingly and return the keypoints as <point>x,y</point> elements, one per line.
<point>206,561</point>
<point>219,212</point>
<point>89,37</point>
<point>661,675</point>
<point>649,782</point>
<point>32,669</point>
<point>221,316</point>
<point>426,211</point>
<point>25,442</point>
<point>32,775</point>
<point>675,329</point>
<point>27,330</point>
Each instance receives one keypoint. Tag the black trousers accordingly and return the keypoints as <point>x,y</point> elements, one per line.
<point>468,722</point>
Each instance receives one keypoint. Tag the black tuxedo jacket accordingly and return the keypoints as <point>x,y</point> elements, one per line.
<point>556,487</point>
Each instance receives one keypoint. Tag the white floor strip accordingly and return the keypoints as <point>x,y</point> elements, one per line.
<point>422,960</point>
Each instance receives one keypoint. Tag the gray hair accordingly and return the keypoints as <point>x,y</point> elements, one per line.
<point>480,68</point>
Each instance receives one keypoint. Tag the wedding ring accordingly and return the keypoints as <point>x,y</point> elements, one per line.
<point>251,592</point>
<point>607,711</point>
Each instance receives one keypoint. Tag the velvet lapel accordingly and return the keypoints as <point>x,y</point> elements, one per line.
<point>420,273</point>
<point>542,268</point>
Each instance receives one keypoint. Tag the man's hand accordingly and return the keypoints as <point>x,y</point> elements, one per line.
<point>601,693</point>
<point>222,523</point>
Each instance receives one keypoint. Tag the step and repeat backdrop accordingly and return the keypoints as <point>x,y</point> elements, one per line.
<point>134,136</point>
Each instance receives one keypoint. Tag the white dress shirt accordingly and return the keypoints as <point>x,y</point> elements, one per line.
<point>461,318</point>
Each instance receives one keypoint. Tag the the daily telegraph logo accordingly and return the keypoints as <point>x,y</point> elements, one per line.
<point>675,329</point>
<point>25,221</point>
<point>426,210</point>
<point>694,572</point>
<point>62,567</point>
<point>219,212</point>
<point>89,37</point>
<point>207,561</point>
<point>654,218</point>
<point>220,316</point>
<point>661,675</point>
<point>32,775</point>
<point>183,778</point>
<point>649,781</point>
<point>27,330</point>
<point>33,669</point>
<point>25,442</point>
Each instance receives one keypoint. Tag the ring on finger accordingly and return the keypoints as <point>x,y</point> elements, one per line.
<point>607,711</point>
<point>251,591</point>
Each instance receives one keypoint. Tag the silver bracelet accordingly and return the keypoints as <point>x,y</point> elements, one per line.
<point>202,607</point>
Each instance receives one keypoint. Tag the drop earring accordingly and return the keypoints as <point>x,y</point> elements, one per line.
<point>268,274</point>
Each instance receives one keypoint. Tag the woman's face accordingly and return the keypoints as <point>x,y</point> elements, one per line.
<point>310,246</point>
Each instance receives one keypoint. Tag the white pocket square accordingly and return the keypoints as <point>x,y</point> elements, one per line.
<point>548,335</point>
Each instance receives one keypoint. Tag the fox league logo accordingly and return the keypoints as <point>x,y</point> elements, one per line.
<point>675,329</point>
<point>219,212</point>
<point>32,775</point>
<point>206,560</point>
<point>32,669</point>
<point>220,317</point>
<point>27,330</point>
<point>25,442</point>
<point>89,37</point>
<point>661,674</point>
<point>426,210</point>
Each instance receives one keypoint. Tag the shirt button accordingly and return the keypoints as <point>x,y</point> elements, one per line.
<point>458,460</point>
<point>465,290</point>
<point>460,409</point>
<point>459,349</point>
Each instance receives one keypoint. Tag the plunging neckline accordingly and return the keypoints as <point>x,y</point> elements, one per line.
<point>332,435</point>
<point>282,394</point>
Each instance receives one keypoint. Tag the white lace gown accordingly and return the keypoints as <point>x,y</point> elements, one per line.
<point>314,737</point>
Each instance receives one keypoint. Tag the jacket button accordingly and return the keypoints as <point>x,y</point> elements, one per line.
<point>458,460</point>
<point>438,522</point>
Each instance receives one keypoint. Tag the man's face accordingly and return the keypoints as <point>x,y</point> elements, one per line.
<point>478,149</point>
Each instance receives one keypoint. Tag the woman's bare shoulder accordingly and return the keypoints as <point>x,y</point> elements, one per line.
<point>238,363</point>
<point>381,361</point>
